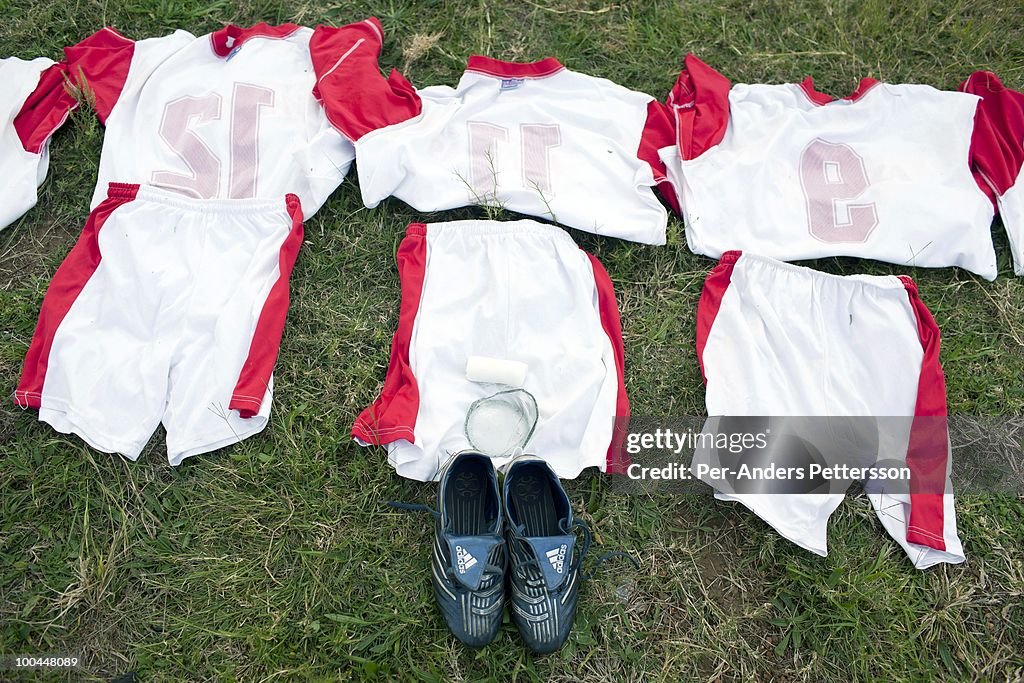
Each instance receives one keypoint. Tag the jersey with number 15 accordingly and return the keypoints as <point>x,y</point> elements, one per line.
<point>902,173</point>
<point>228,115</point>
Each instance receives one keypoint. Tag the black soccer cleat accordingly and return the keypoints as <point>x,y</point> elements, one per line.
<point>545,572</point>
<point>469,560</point>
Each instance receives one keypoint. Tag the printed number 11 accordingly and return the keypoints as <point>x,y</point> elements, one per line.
<point>536,142</point>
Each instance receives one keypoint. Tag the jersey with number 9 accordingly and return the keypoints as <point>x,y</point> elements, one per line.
<point>899,173</point>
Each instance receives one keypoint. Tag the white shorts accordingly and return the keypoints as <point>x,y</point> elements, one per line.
<point>519,291</point>
<point>167,310</point>
<point>775,339</point>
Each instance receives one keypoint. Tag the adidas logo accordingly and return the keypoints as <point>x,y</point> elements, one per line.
<point>464,559</point>
<point>556,557</point>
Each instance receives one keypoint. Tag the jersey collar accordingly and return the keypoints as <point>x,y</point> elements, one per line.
<point>820,98</point>
<point>231,36</point>
<point>500,69</point>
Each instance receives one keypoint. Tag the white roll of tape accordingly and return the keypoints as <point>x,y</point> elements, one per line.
<point>496,371</point>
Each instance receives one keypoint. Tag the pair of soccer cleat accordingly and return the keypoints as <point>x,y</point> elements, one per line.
<point>521,548</point>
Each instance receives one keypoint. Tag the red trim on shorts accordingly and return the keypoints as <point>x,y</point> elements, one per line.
<point>254,378</point>
<point>499,69</point>
<point>392,417</point>
<point>68,282</point>
<point>715,285</point>
<point>928,450</point>
<point>617,460</point>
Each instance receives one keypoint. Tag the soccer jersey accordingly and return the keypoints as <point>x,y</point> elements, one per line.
<point>24,165</point>
<point>899,173</point>
<point>228,115</point>
<point>534,138</point>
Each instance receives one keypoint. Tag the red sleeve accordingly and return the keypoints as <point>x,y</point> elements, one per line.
<point>997,144</point>
<point>700,101</point>
<point>99,67</point>
<point>46,108</point>
<point>997,153</point>
<point>349,85</point>
<point>658,133</point>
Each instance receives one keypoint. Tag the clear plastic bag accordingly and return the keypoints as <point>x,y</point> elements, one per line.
<point>501,424</point>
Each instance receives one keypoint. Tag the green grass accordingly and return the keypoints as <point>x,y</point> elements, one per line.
<point>274,560</point>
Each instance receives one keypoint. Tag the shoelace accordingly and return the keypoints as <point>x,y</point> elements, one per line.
<point>587,541</point>
<point>413,507</point>
<point>489,568</point>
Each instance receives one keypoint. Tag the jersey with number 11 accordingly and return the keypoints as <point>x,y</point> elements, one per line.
<point>535,138</point>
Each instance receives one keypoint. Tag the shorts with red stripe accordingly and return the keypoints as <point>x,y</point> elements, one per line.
<point>167,310</point>
<point>512,291</point>
<point>775,339</point>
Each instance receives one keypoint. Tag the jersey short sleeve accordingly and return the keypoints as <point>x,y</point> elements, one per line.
<point>349,84</point>
<point>28,91</point>
<point>41,95</point>
<point>658,134</point>
<point>997,153</point>
<point>699,101</point>
<point>99,67</point>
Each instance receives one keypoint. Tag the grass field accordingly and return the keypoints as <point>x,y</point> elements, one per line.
<point>274,559</point>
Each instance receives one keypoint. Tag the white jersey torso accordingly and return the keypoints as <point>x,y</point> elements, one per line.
<point>562,146</point>
<point>221,116</point>
<point>884,175</point>
<point>531,137</point>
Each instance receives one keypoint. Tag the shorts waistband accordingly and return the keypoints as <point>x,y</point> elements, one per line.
<point>156,195</point>
<point>880,281</point>
<point>486,228</point>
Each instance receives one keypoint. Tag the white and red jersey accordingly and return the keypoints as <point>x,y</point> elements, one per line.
<point>898,173</point>
<point>24,166</point>
<point>534,138</point>
<point>228,115</point>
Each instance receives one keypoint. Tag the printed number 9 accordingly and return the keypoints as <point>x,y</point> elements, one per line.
<point>832,174</point>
